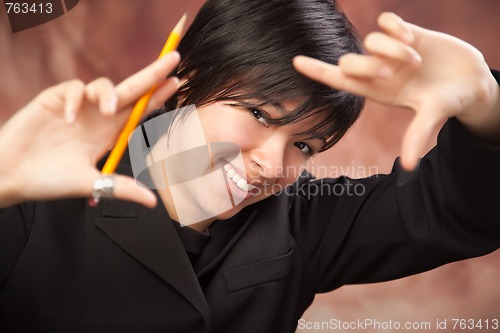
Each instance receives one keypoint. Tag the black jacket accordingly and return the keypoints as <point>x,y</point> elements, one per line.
<point>122,268</point>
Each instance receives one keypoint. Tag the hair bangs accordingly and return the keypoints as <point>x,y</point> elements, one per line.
<point>242,50</point>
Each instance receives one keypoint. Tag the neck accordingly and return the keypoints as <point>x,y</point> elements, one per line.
<point>167,200</point>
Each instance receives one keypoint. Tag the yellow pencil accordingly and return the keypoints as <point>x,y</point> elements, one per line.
<point>135,116</point>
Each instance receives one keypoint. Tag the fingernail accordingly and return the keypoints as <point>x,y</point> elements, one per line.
<point>183,82</point>
<point>300,59</point>
<point>385,72</point>
<point>404,174</point>
<point>69,115</point>
<point>150,198</point>
<point>176,80</point>
<point>407,36</point>
<point>176,55</point>
<point>70,118</point>
<point>112,103</point>
<point>416,59</point>
<point>406,33</point>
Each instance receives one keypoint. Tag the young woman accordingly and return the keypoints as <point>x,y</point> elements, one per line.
<point>125,267</point>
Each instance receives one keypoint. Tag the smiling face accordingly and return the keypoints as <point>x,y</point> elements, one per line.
<point>255,159</point>
<point>225,62</point>
<point>273,156</point>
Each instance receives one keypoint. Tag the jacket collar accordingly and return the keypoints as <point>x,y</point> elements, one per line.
<point>150,237</point>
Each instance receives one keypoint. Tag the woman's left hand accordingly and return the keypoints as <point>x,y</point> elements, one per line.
<point>437,75</point>
<point>49,149</point>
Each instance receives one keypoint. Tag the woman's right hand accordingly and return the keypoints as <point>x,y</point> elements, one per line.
<point>49,149</point>
<point>436,75</point>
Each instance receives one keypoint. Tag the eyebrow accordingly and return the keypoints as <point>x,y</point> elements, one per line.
<point>280,108</point>
<point>282,112</point>
<point>312,136</point>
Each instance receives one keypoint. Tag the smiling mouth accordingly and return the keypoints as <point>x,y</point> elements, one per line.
<point>237,179</point>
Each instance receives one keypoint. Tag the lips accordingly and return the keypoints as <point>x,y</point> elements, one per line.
<point>237,179</point>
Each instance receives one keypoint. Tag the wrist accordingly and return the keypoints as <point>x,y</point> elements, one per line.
<point>9,194</point>
<point>10,187</point>
<point>483,119</point>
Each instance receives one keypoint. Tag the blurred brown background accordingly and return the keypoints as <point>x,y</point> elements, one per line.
<point>114,38</point>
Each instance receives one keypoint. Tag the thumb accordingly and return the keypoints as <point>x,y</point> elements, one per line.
<point>126,188</point>
<point>416,138</point>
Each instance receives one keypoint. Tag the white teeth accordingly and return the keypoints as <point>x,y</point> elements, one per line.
<point>242,184</point>
<point>237,179</point>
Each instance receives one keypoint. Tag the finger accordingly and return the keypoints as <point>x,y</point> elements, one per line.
<point>102,92</point>
<point>396,27</point>
<point>316,69</point>
<point>332,76</point>
<point>381,44</point>
<point>72,96</point>
<point>162,93</point>
<point>66,97</point>
<point>127,189</point>
<point>416,138</point>
<point>135,86</point>
<point>365,66</point>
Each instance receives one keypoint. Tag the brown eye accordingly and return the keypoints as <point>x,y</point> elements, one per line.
<point>257,114</point>
<point>304,147</point>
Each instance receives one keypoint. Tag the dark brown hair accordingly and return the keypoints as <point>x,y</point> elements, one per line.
<point>243,49</point>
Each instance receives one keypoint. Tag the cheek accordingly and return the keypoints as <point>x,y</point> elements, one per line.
<point>226,126</point>
<point>235,134</point>
<point>292,169</point>
<point>295,163</point>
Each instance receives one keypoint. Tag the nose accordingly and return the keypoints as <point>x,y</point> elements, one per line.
<point>267,159</point>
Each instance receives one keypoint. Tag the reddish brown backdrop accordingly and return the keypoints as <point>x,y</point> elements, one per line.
<point>114,38</point>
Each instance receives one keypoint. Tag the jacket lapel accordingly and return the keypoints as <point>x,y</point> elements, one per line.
<point>151,238</point>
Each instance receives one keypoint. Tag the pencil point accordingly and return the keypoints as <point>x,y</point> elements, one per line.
<point>180,25</point>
